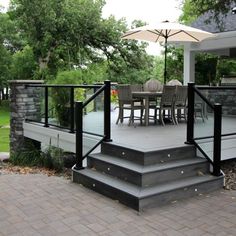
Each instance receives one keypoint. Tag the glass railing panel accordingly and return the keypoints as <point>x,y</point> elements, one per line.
<point>37,105</point>
<point>227,98</point>
<point>203,125</point>
<point>59,110</point>
<point>93,122</point>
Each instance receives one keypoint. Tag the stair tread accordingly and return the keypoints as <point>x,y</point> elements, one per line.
<point>147,191</point>
<point>147,168</point>
<point>154,151</point>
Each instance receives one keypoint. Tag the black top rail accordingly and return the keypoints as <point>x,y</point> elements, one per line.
<point>215,87</point>
<point>64,86</point>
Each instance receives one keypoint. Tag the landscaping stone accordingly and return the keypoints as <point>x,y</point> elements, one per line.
<point>4,156</point>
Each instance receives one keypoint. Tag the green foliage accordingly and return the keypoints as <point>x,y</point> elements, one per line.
<point>205,69</point>
<point>194,8</point>
<point>23,64</point>
<point>158,69</point>
<point>225,67</point>
<point>4,114</point>
<point>4,139</point>
<point>52,158</point>
<point>4,123</point>
<point>96,72</point>
<point>189,13</point>
<point>5,61</point>
<point>68,34</point>
<point>175,62</point>
<point>61,96</point>
<point>30,155</point>
<point>216,7</point>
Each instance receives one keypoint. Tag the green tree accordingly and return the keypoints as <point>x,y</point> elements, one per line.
<point>216,7</point>
<point>23,64</point>
<point>189,13</point>
<point>68,34</point>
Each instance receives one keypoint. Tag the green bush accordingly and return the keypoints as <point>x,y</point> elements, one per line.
<point>52,158</point>
<point>61,96</point>
<point>30,155</point>
<point>23,64</point>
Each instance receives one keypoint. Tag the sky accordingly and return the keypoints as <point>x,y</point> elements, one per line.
<point>149,11</point>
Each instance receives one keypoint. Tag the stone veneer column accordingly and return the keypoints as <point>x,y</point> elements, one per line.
<point>24,103</point>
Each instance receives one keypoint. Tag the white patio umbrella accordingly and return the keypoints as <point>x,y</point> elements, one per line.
<point>167,32</point>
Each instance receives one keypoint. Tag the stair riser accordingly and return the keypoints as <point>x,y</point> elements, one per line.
<point>176,173</point>
<point>123,153</point>
<point>106,190</point>
<point>179,194</point>
<point>148,158</point>
<point>148,179</point>
<point>167,155</point>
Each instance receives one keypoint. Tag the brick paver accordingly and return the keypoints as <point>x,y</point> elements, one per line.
<point>36,204</point>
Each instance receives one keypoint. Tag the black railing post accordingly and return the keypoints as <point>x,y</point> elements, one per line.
<point>217,139</point>
<point>107,111</point>
<point>46,107</point>
<point>190,121</point>
<point>79,135</point>
<point>72,113</point>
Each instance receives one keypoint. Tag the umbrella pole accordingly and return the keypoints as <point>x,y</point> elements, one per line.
<point>165,71</point>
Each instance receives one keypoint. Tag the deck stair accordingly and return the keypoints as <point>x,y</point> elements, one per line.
<point>146,179</point>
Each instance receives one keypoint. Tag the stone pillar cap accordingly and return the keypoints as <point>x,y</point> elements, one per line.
<point>26,81</point>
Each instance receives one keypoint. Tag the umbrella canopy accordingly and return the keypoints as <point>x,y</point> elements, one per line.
<point>167,32</point>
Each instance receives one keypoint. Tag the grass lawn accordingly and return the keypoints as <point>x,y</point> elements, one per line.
<point>4,127</point>
<point>4,139</point>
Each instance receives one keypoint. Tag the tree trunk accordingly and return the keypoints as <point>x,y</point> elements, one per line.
<point>43,61</point>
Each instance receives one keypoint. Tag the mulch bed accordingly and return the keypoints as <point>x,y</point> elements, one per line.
<point>8,168</point>
<point>228,167</point>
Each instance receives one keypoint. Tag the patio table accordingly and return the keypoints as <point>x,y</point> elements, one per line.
<point>146,95</point>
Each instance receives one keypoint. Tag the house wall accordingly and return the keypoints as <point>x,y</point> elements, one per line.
<point>225,97</point>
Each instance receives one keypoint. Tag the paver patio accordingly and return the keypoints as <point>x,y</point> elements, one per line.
<point>36,204</point>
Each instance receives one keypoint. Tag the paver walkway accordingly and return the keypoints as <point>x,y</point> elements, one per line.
<point>36,204</point>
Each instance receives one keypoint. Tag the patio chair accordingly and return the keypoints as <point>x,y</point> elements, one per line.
<point>166,104</point>
<point>174,82</point>
<point>200,108</point>
<point>127,102</point>
<point>153,85</point>
<point>180,103</point>
<point>136,87</point>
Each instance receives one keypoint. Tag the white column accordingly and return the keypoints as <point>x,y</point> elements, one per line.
<point>189,65</point>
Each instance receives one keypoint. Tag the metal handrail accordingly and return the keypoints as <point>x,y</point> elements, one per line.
<point>79,106</point>
<point>217,108</point>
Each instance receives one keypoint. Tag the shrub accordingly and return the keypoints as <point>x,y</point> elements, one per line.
<point>61,96</point>
<point>30,155</point>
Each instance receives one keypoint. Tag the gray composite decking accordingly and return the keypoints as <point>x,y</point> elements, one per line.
<point>156,136</point>
<point>140,137</point>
